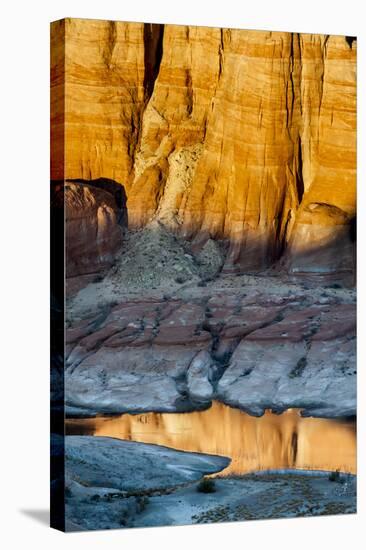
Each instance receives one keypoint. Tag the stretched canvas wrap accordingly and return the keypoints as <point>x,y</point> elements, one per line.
<point>203,206</point>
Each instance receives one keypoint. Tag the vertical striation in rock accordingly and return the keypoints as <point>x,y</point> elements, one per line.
<point>323,235</point>
<point>104,88</point>
<point>246,136</point>
<point>93,232</point>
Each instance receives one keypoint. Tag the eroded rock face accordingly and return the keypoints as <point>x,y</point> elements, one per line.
<point>151,465</point>
<point>323,243</point>
<point>246,136</point>
<point>93,234</point>
<point>235,151</point>
<point>289,363</point>
<point>256,350</point>
<point>107,479</point>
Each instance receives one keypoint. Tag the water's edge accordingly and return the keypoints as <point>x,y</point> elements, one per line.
<point>272,442</point>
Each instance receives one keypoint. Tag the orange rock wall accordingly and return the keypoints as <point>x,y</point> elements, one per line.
<point>244,135</point>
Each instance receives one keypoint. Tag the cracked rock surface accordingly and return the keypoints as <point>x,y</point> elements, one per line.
<point>251,342</point>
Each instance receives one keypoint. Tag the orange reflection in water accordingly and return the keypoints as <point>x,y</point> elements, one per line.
<point>270,442</point>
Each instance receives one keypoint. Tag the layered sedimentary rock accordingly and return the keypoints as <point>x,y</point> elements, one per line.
<point>246,136</point>
<point>287,364</point>
<point>262,349</point>
<point>93,231</point>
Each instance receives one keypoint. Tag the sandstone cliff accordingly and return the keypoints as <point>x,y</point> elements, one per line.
<point>243,136</point>
<point>92,233</point>
<point>219,150</point>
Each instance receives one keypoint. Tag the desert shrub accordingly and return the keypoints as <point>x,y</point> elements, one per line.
<point>206,485</point>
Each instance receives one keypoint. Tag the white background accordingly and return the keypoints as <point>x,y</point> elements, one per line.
<point>24,218</point>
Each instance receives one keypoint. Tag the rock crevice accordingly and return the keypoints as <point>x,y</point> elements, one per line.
<point>153,53</point>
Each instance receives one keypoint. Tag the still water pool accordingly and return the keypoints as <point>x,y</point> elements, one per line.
<point>270,442</point>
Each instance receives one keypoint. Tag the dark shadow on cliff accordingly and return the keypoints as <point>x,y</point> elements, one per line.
<point>89,237</point>
<point>331,262</point>
<point>114,188</point>
<point>153,53</point>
